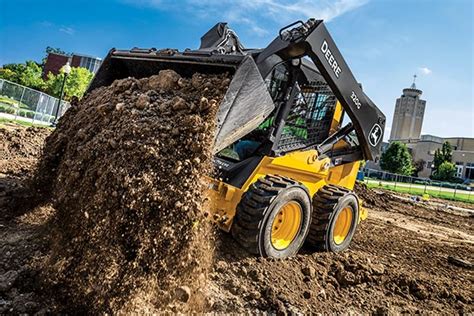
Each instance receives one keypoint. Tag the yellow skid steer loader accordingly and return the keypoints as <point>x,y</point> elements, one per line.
<point>285,164</point>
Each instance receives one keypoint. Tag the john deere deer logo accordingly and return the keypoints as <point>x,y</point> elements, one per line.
<point>375,135</point>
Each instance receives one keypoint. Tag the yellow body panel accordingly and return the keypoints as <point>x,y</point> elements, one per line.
<point>302,166</point>
<point>344,175</point>
<point>336,119</point>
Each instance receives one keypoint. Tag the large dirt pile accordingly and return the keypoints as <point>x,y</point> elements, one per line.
<point>128,166</point>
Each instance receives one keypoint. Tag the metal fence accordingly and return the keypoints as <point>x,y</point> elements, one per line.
<point>418,186</point>
<point>22,103</point>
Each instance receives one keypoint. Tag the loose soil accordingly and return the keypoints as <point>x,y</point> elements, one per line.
<point>398,261</point>
<point>20,148</point>
<point>127,184</point>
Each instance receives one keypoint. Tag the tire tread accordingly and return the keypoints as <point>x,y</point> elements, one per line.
<point>253,207</point>
<point>324,204</point>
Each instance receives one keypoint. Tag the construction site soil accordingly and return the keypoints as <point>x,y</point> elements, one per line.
<point>111,223</point>
<point>124,169</point>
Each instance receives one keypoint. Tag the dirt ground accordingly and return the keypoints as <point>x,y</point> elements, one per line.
<point>400,259</point>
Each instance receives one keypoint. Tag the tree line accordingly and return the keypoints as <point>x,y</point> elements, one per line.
<point>30,74</point>
<point>397,159</point>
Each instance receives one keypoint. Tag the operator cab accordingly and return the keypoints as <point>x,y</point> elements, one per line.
<point>309,120</point>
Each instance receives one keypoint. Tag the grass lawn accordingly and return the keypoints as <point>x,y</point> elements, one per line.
<point>18,122</point>
<point>11,102</point>
<point>460,196</point>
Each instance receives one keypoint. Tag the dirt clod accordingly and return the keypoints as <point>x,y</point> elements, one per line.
<point>166,80</point>
<point>309,271</point>
<point>183,294</point>
<point>142,101</point>
<point>378,269</point>
<point>178,103</point>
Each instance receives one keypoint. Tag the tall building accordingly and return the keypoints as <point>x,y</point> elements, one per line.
<point>55,61</point>
<point>408,115</point>
<point>406,128</point>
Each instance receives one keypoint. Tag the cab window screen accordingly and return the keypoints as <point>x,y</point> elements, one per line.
<point>310,117</point>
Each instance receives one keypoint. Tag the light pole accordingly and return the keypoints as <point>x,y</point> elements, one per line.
<point>66,69</point>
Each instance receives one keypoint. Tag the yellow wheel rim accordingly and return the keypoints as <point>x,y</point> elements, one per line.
<point>343,225</point>
<point>286,225</point>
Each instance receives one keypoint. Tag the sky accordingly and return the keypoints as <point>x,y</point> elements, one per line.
<point>384,42</point>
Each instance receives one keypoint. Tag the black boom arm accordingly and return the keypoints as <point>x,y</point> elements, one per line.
<point>312,39</point>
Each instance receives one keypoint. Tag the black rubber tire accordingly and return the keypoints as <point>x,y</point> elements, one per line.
<point>328,202</point>
<point>256,211</point>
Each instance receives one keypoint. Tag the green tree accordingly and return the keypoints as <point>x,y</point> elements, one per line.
<point>28,74</point>
<point>7,74</point>
<point>445,171</point>
<point>76,83</point>
<point>442,155</point>
<point>32,76</point>
<point>397,159</point>
<point>12,72</point>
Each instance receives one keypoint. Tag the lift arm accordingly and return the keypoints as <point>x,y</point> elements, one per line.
<point>312,39</point>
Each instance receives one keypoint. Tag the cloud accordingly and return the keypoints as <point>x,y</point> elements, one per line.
<point>425,70</point>
<point>61,28</point>
<point>283,10</point>
<point>259,31</point>
<point>254,13</point>
<point>68,30</point>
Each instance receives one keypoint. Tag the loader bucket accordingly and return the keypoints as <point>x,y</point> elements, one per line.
<point>245,106</point>
<point>246,103</point>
